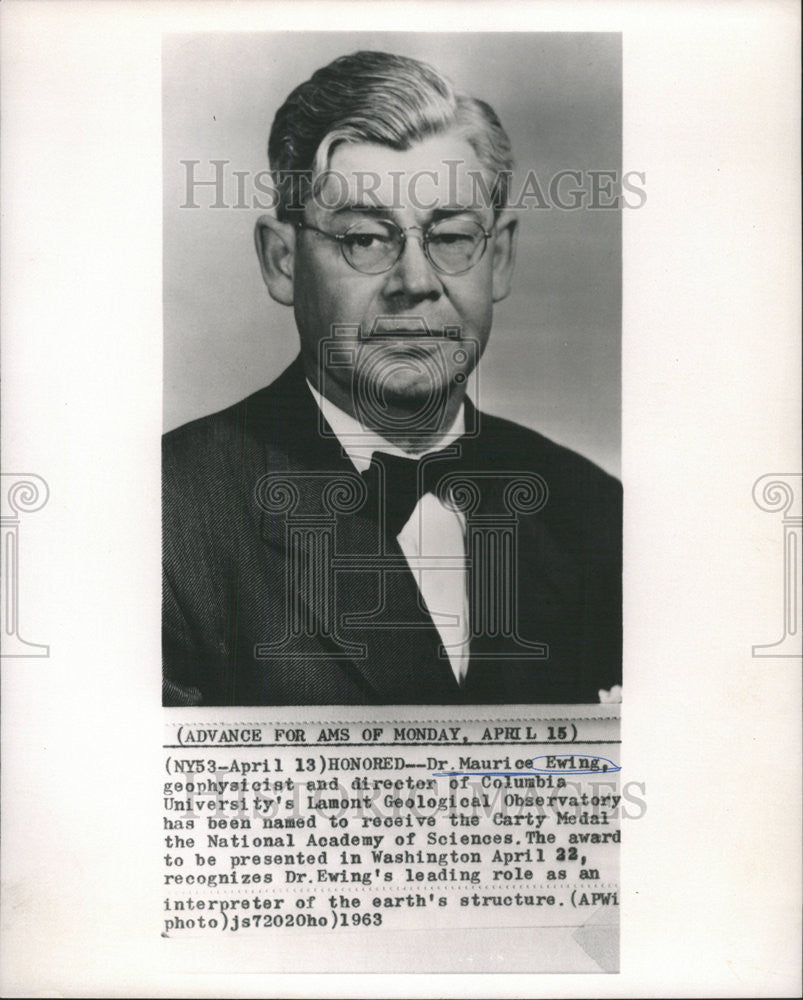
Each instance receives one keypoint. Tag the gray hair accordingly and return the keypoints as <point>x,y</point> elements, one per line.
<point>380,98</point>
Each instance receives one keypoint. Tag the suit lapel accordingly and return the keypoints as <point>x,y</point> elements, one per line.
<point>379,607</point>
<point>542,577</point>
<point>356,595</point>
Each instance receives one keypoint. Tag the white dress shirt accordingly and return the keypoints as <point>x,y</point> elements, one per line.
<point>433,539</point>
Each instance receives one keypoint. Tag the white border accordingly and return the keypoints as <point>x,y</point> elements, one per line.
<point>711,347</point>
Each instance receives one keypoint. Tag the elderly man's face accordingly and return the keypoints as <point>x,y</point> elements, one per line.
<point>434,326</point>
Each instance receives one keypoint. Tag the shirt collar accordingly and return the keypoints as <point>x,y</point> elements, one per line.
<point>359,443</point>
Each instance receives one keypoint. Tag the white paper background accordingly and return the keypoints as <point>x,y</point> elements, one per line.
<point>711,873</point>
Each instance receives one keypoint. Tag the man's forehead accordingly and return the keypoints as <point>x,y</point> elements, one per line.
<point>442,171</point>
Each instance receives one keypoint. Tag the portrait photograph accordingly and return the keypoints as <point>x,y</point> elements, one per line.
<point>389,389</point>
<point>392,367</point>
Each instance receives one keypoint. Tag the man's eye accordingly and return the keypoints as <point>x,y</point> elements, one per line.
<point>366,241</point>
<point>451,238</point>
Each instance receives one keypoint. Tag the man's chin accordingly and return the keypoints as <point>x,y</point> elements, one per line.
<point>400,400</point>
<point>400,386</point>
<point>407,368</point>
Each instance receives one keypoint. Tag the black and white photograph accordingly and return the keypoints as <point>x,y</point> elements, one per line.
<point>399,479</point>
<point>387,388</point>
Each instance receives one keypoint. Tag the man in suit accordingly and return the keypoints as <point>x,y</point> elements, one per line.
<point>358,532</point>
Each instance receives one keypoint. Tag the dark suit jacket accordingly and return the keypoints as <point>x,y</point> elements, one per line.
<point>278,590</point>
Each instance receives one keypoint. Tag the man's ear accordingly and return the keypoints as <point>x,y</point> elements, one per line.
<point>504,254</point>
<point>276,245</point>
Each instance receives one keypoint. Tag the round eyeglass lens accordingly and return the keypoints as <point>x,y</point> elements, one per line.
<point>452,245</point>
<point>455,245</point>
<point>372,246</point>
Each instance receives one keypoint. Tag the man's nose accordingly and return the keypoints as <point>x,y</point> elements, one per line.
<point>413,274</point>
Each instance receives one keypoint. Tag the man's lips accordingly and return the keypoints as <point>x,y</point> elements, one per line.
<point>410,326</point>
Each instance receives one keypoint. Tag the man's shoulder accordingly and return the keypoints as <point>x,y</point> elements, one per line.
<point>582,502</point>
<point>208,432</point>
<point>257,421</point>
<point>517,447</point>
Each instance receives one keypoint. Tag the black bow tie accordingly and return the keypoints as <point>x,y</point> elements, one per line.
<point>398,483</point>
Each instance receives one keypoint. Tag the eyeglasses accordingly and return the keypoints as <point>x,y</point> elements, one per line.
<point>372,246</point>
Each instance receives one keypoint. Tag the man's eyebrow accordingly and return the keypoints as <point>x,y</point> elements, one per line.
<point>448,211</point>
<point>360,208</point>
<point>385,211</point>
